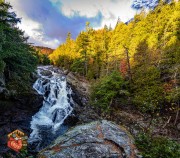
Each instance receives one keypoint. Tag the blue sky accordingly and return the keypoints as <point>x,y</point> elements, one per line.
<point>47,22</point>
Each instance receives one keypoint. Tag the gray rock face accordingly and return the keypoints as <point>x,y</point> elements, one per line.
<point>2,83</point>
<point>100,139</point>
<point>2,80</point>
<point>80,87</point>
<point>80,94</point>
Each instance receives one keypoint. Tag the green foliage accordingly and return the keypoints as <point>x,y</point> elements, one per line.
<point>2,66</point>
<point>17,58</point>
<point>22,154</point>
<point>42,58</point>
<point>77,66</point>
<point>107,89</point>
<point>157,147</point>
<point>148,91</point>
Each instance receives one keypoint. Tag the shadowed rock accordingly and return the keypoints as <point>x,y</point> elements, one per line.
<point>16,113</point>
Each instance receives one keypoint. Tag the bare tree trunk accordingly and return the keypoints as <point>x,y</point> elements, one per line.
<point>107,64</point>
<point>176,86</point>
<point>116,58</point>
<point>177,114</point>
<point>85,64</point>
<point>128,63</point>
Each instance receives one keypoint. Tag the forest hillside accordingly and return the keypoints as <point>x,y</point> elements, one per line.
<point>139,60</point>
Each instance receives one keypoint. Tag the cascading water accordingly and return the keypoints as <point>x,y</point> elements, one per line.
<point>47,124</point>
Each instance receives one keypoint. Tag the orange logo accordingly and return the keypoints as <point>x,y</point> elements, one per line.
<point>17,140</point>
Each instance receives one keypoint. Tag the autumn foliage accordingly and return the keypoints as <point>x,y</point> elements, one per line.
<point>145,51</point>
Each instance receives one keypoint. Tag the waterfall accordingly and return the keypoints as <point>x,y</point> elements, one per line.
<point>47,123</point>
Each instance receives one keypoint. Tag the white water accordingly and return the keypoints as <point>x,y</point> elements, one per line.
<point>56,105</point>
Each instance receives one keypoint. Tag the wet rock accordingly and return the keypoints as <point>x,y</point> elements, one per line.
<point>46,133</point>
<point>2,89</point>
<point>46,73</point>
<point>58,115</point>
<point>94,140</point>
<point>71,120</point>
<point>2,80</point>
<point>66,72</point>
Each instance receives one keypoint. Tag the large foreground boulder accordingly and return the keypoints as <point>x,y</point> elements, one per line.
<point>100,139</point>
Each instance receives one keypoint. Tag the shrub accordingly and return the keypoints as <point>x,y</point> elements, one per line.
<point>157,147</point>
<point>107,90</point>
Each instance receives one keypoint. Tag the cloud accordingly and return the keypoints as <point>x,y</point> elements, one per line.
<point>110,9</point>
<point>47,22</point>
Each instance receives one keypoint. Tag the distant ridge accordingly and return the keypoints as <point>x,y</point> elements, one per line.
<point>44,50</point>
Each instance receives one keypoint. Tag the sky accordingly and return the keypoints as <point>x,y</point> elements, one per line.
<point>47,22</point>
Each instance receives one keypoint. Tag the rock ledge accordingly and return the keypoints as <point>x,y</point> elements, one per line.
<point>94,140</point>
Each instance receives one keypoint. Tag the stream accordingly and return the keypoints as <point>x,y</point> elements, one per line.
<point>47,123</point>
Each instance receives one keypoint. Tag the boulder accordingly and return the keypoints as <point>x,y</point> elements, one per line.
<point>46,73</point>
<point>93,140</point>
<point>66,72</point>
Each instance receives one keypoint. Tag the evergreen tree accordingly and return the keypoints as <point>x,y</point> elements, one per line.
<point>17,58</point>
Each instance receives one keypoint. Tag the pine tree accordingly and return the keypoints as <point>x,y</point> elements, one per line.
<point>17,58</point>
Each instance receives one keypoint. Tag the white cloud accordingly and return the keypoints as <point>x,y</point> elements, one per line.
<point>110,9</point>
<point>33,29</point>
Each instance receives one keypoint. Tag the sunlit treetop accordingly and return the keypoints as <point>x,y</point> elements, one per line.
<point>2,1</point>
